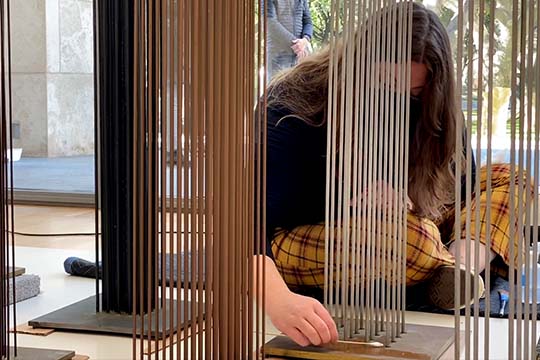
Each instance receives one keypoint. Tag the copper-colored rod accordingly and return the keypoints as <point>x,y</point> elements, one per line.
<point>202,158</point>
<point>225,286</point>
<point>259,124</point>
<point>196,156</point>
<point>250,197</point>
<point>235,240</point>
<point>217,296</point>
<point>149,116</point>
<point>192,127</point>
<point>248,87</point>
<point>209,178</point>
<point>233,215</point>
<point>173,227</point>
<point>163,211</point>
<point>246,127</point>
<point>264,157</point>
<point>181,202</point>
<point>187,119</point>
<point>260,233</point>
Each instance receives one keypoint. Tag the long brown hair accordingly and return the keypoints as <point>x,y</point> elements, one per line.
<point>303,91</point>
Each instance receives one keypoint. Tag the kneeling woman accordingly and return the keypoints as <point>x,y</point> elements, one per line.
<point>296,175</point>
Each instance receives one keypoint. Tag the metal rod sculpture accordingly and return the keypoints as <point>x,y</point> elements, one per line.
<point>371,139</point>
<point>114,169</point>
<point>196,65</point>
<point>197,150</point>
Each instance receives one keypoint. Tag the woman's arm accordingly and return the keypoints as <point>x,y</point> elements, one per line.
<point>305,320</point>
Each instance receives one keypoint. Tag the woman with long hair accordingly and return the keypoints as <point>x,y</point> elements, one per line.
<point>296,182</point>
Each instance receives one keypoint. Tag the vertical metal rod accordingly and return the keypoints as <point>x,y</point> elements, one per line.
<point>513,255</point>
<point>405,177</point>
<point>535,222</point>
<point>458,175</point>
<point>478,155</point>
<point>487,321</point>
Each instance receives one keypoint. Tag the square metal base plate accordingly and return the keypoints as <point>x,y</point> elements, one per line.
<point>82,316</point>
<point>40,354</point>
<point>419,343</point>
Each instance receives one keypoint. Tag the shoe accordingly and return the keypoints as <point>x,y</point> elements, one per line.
<point>440,288</point>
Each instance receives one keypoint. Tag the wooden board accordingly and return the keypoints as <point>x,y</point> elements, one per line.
<point>81,357</point>
<point>419,343</point>
<point>29,330</point>
<point>18,271</point>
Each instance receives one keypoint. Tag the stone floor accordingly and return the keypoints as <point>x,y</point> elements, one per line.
<point>45,255</point>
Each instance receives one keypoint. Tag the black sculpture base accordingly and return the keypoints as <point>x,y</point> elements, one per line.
<point>40,354</point>
<point>82,316</point>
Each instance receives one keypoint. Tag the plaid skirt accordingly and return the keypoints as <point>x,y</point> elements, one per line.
<point>300,253</point>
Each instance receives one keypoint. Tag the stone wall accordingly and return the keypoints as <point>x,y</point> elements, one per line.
<point>53,100</point>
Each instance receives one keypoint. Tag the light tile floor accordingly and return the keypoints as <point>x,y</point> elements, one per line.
<point>45,256</point>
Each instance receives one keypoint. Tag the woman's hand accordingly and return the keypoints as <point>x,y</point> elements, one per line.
<point>303,319</point>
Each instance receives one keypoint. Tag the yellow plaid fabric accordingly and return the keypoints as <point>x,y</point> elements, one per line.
<point>299,253</point>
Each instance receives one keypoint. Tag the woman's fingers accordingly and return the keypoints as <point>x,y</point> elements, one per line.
<point>297,336</point>
<point>324,315</point>
<point>309,332</point>
<point>321,327</point>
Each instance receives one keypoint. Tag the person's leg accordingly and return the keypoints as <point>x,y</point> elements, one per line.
<point>300,253</point>
<point>498,228</point>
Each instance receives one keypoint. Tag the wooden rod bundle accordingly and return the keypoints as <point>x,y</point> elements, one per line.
<point>366,156</point>
<point>199,178</point>
<point>7,240</point>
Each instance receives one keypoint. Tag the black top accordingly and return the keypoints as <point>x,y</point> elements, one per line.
<point>296,173</point>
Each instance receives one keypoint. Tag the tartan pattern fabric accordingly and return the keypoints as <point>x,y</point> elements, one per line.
<point>299,253</point>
